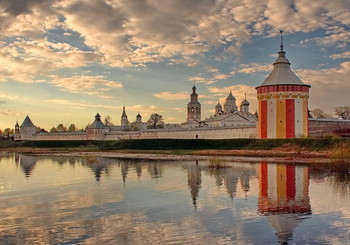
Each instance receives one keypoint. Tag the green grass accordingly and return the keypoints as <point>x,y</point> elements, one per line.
<point>340,146</point>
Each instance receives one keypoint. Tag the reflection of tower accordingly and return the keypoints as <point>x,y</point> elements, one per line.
<point>97,165</point>
<point>194,182</point>
<point>138,169</point>
<point>155,170</point>
<point>124,167</point>
<point>244,179</point>
<point>27,164</point>
<point>231,180</point>
<point>284,197</point>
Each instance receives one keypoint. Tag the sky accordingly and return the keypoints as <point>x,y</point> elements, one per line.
<point>62,61</point>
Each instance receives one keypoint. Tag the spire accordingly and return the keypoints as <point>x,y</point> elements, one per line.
<point>124,114</point>
<point>194,87</point>
<point>281,46</point>
<point>98,117</point>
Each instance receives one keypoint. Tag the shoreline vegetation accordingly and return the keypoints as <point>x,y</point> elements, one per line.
<point>299,150</point>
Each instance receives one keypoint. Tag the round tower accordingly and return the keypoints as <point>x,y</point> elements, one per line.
<point>283,102</point>
<point>194,107</point>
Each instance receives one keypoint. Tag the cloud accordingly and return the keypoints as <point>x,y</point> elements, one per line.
<point>92,85</point>
<point>254,68</point>
<point>135,33</point>
<point>23,60</point>
<point>8,112</point>
<point>171,96</point>
<point>79,104</point>
<point>329,87</point>
<point>344,55</point>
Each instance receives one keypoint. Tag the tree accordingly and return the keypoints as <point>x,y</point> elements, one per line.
<point>8,132</point>
<point>318,113</point>
<point>53,130</point>
<point>87,126</point>
<point>61,128</point>
<point>108,121</point>
<point>155,121</point>
<point>342,112</point>
<point>72,128</point>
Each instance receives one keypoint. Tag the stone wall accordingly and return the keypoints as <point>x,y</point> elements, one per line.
<point>319,127</point>
<point>197,133</point>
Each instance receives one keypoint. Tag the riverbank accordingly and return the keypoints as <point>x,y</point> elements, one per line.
<point>315,151</point>
<point>310,150</point>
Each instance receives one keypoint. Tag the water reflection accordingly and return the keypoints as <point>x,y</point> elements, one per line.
<point>284,197</point>
<point>194,180</point>
<point>91,200</point>
<point>27,164</point>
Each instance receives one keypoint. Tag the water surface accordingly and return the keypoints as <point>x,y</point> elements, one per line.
<point>97,200</point>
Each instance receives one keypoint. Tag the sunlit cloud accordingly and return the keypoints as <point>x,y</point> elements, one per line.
<point>253,68</point>
<point>328,85</point>
<point>171,96</point>
<point>92,85</point>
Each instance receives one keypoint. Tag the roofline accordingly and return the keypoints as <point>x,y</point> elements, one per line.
<point>283,84</point>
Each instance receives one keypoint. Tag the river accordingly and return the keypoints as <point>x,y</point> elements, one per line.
<point>105,200</point>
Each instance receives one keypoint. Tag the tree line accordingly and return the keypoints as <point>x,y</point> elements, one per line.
<point>340,112</point>
<point>154,122</point>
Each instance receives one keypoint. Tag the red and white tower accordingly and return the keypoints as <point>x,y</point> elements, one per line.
<point>283,102</point>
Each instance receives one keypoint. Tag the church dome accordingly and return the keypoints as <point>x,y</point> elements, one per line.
<point>218,106</point>
<point>245,102</point>
<point>230,97</point>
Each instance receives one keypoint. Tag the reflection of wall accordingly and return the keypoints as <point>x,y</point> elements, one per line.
<point>284,196</point>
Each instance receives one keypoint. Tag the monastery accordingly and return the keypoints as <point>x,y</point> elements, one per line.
<point>282,113</point>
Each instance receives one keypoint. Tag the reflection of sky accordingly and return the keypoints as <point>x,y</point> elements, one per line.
<point>63,202</point>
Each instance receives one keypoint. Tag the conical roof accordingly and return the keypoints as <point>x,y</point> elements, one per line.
<point>282,74</point>
<point>245,102</point>
<point>97,123</point>
<point>27,122</point>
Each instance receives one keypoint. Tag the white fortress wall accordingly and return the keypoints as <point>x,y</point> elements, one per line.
<point>200,133</point>
<point>60,136</point>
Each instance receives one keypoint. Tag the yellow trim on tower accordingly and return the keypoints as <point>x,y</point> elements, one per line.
<point>281,118</point>
<point>281,181</point>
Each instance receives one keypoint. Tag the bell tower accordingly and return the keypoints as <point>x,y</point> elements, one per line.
<point>193,107</point>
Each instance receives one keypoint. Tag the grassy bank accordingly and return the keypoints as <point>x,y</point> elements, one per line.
<point>340,146</point>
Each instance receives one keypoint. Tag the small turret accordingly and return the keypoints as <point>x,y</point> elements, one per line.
<point>245,105</point>
<point>218,109</point>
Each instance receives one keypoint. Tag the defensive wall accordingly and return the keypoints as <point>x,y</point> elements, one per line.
<point>321,127</point>
<point>317,128</point>
<point>194,133</point>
